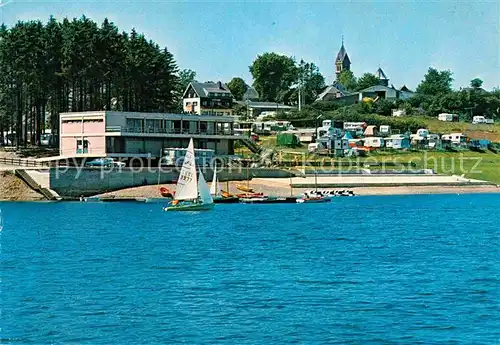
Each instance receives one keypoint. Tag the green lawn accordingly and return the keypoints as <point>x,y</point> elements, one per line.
<point>491,132</point>
<point>481,166</point>
<point>475,165</point>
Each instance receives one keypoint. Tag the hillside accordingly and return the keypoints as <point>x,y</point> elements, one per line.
<point>490,132</point>
<point>14,189</point>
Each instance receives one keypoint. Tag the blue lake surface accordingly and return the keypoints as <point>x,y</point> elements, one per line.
<point>363,270</point>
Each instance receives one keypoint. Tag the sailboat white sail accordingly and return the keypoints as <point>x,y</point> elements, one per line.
<point>187,186</point>
<point>214,188</point>
<point>204,192</point>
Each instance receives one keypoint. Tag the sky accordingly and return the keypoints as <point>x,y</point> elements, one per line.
<point>220,39</point>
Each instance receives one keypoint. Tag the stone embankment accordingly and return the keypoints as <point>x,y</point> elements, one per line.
<point>12,188</point>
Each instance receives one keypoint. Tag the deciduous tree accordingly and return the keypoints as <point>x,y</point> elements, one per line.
<point>273,75</point>
<point>367,80</point>
<point>348,80</point>
<point>476,83</point>
<point>238,88</point>
<point>435,82</point>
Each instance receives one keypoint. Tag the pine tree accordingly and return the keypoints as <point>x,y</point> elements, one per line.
<point>78,66</point>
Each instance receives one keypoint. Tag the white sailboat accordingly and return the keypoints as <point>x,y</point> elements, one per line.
<point>220,196</point>
<point>214,187</point>
<point>192,192</point>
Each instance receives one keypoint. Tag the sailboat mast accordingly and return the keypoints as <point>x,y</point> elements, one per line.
<point>248,176</point>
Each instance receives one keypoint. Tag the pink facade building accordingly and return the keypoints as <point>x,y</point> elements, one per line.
<point>132,134</point>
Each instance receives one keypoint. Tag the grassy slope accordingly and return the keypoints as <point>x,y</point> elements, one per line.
<point>490,132</point>
<point>488,167</point>
<point>481,166</point>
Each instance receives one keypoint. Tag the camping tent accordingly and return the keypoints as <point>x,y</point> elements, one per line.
<point>370,131</point>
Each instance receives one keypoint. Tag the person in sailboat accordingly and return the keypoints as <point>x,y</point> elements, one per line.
<point>192,192</point>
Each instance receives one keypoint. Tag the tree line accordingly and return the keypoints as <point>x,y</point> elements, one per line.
<point>78,65</point>
<point>433,95</point>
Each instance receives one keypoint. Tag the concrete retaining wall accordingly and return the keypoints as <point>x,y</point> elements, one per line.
<point>87,182</point>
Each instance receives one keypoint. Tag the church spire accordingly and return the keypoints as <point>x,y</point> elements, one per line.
<point>342,61</point>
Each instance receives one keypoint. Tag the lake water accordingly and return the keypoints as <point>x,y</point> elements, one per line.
<point>363,270</point>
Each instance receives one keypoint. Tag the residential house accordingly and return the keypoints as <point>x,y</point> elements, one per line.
<point>332,92</point>
<point>405,92</point>
<point>256,109</point>
<point>208,99</point>
<point>251,94</point>
<point>379,92</point>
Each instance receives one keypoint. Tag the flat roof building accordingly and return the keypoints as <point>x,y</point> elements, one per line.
<point>134,134</point>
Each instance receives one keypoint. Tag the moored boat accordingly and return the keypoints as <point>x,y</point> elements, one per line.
<point>269,200</point>
<point>228,200</point>
<point>315,199</point>
<point>220,196</point>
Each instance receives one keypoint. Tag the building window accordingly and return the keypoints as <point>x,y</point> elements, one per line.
<point>203,126</point>
<point>188,104</point>
<point>153,126</point>
<point>82,146</point>
<point>195,103</point>
<point>134,125</point>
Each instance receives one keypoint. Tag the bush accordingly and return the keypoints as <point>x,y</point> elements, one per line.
<point>325,105</point>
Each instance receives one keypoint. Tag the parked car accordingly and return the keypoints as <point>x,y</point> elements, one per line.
<point>104,162</point>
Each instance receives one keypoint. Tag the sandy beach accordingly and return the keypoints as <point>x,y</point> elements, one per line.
<point>269,187</point>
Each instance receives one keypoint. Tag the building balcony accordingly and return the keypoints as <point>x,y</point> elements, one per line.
<point>169,132</point>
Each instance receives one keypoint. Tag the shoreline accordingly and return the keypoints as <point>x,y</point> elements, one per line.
<point>14,189</point>
<point>274,189</point>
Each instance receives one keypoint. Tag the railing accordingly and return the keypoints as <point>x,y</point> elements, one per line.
<point>25,162</point>
<point>168,131</point>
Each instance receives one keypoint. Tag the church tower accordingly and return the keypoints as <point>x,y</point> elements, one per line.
<point>342,61</point>
<point>383,80</point>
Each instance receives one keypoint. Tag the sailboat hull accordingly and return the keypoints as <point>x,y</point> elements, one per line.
<point>226,200</point>
<point>189,207</point>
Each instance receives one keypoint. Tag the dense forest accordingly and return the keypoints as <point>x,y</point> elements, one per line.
<point>77,65</point>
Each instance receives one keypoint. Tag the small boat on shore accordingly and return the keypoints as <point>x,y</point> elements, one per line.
<point>250,195</point>
<point>166,193</point>
<point>244,188</point>
<point>192,192</point>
